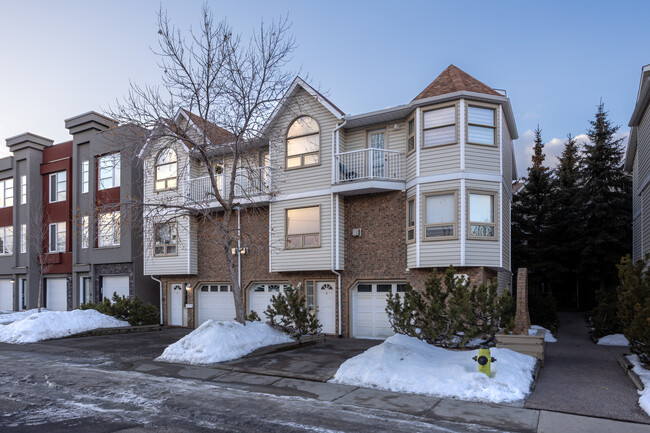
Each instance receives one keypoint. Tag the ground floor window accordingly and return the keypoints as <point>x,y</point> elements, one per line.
<point>22,287</point>
<point>85,295</point>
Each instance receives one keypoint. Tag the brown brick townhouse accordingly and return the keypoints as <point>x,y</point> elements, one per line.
<point>351,207</point>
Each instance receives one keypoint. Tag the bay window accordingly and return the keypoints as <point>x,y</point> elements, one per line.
<point>481,125</point>
<point>482,223</point>
<point>439,126</point>
<point>440,216</point>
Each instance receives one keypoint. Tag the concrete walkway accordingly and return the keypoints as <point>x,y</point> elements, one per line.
<point>580,377</point>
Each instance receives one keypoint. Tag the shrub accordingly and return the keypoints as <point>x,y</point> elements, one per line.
<point>508,308</point>
<point>289,313</point>
<point>604,318</point>
<point>634,305</point>
<point>253,317</point>
<point>448,314</point>
<point>543,311</point>
<point>133,310</point>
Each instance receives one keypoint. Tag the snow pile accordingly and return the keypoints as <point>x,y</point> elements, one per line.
<point>55,324</point>
<point>11,316</point>
<point>548,337</point>
<point>222,341</point>
<point>644,375</point>
<point>406,364</point>
<point>613,340</point>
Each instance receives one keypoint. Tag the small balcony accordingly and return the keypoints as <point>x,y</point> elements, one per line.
<point>251,184</point>
<point>369,170</point>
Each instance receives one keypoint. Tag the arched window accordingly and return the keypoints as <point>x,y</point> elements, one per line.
<point>166,170</point>
<point>303,143</point>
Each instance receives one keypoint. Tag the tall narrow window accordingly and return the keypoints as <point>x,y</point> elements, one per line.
<point>109,229</point>
<point>85,231</point>
<point>310,292</point>
<point>481,125</point>
<point>23,189</point>
<point>7,192</point>
<point>410,220</point>
<point>109,171</point>
<point>303,143</point>
<point>439,126</point>
<point>166,239</point>
<point>303,227</point>
<point>23,238</point>
<point>166,170</point>
<point>440,216</point>
<point>57,237</point>
<point>85,176</point>
<point>58,186</point>
<point>410,137</point>
<point>481,216</point>
<point>6,240</point>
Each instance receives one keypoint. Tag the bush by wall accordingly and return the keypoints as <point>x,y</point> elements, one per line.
<point>133,310</point>
<point>289,313</point>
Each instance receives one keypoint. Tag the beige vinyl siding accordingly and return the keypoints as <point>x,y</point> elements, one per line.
<point>645,222</point>
<point>435,253</point>
<point>643,147</point>
<point>504,281</point>
<point>505,228</point>
<point>483,252</point>
<point>637,212</point>
<point>356,139</point>
<point>411,166</point>
<point>170,265</point>
<point>305,178</point>
<point>506,152</point>
<point>411,248</point>
<point>440,159</point>
<point>302,259</point>
<point>175,196</point>
<point>637,241</point>
<point>482,158</point>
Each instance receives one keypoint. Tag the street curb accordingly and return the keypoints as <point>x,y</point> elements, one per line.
<point>627,367</point>
<point>283,347</point>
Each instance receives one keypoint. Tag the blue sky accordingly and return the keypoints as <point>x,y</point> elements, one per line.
<point>555,59</point>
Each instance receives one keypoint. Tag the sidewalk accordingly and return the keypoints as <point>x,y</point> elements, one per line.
<point>580,377</point>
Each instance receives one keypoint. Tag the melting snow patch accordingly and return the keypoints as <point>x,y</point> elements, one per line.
<point>548,337</point>
<point>7,317</point>
<point>407,364</point>
<point>222,341</point>
<point>644,375</point>
<point>55,324</point>
<point>614,340</point>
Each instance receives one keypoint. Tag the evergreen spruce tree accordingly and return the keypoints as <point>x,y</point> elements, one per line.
<point>530,219</point>
<point>607,203</point>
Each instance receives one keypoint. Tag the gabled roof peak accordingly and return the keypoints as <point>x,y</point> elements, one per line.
<point>452,80</point>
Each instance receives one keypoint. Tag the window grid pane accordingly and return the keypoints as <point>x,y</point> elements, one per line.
<point>440,209</point>
<point>480,134</point>
<point>480,116</point>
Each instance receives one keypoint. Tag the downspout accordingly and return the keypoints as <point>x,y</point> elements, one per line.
<point>239,247</point>
<point>161,290</point>
<point>335,146</point>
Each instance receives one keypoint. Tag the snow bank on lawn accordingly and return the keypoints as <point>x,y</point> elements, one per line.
<point>644,375</point>
<point>221,341</point>
<point>548,337</point>
<point>614,340</point>
<point>55,324</point>
<point>12,316</point>
<point>406,364</point>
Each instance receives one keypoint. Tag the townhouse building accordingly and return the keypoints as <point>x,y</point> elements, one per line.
<point>65,204</point>
<point>346,207</point>
<point>637,162</point>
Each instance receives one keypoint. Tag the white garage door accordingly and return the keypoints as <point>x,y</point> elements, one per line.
<point>260,297</point>
<point>57,294</point>
<point>369,318</point>
<point>216,303</point>
<point>6,295</point>
<point>115,284</point>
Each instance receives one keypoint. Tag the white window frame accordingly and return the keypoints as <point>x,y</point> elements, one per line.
<point>7,237</point>
<point>7,192</point>
<point>114,166</point>
<point>60,192</point>
<point>453,223</point>
<point>23,238</point>
<point>85,231</point>
<point>110,227</point>
<point>302,235</point>
<point>85,176</point>
<point>59,237</point>
<point>23,189</point>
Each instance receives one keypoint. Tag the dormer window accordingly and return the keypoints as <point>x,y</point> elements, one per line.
<point>166,170</point>
<point>303,143</point>
<point>439,126</point>
<point>481,125</point>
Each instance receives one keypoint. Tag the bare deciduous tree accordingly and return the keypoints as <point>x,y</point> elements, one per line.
<point>38,235</point>
<point>213,77</point>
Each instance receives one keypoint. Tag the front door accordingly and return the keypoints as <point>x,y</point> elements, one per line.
<point>326,306</point>
<point>376,144</point>
<point>176,305</point>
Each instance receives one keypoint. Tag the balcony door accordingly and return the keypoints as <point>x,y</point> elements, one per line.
<point>376,156</point>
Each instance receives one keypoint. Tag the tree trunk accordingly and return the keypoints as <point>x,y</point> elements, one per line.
<point>40,292</point>
<point>240,311</point>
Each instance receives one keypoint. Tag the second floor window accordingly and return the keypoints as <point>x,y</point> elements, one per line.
<point>7,192</point>
<point>166,170</point>
<point>166,239</point>
<point>108,171</point>
<point>57,237</point>
<point>23,238</point>
<point>410,220</point>
<point>23,189</point>
<point>85,176</point>
<point>58,186</point>
<point>109,229</point>
<point>303,227</point>
<point>85,231</point>
<point>481,125</point>
<point>439,126</point>
<point>6,240</point>
<point>481,216</point>
<point>410,138</point>
<point>303,143</point>
<point>440,216</point>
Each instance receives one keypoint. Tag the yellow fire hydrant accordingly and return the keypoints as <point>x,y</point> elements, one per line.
<point>484,360</point>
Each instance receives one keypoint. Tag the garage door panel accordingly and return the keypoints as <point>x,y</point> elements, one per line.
<point>115,284</point>
<point>216,302</point>
<point>370,319</point>
<point>260,297</point>
<point>56,296</point>
<point>6,295</point>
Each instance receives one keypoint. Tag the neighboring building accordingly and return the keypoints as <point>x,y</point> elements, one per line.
<point>67,202</point>
<point>349,207</point>
<point>637,162</point>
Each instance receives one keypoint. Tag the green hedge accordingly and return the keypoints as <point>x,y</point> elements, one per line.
<point>134,311</point>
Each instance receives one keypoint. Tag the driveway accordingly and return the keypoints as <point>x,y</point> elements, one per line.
<point>317,361</point>
<point>583,378</point>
